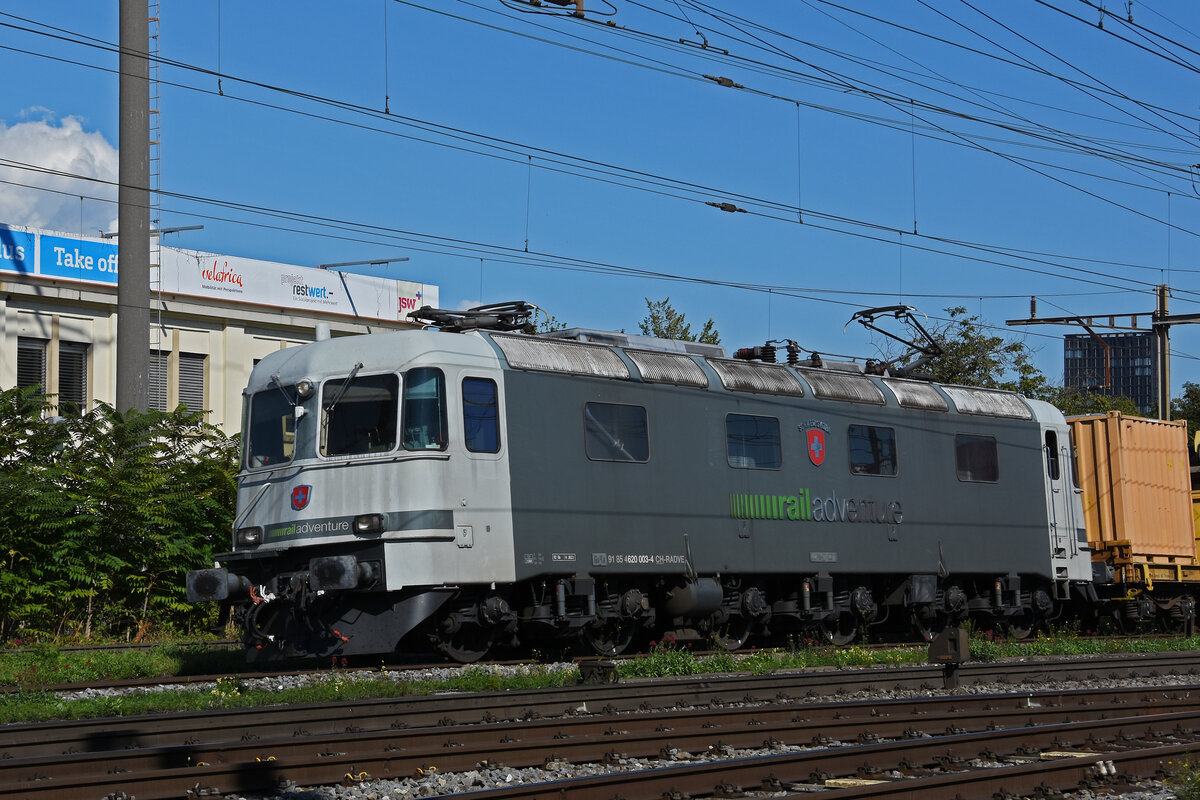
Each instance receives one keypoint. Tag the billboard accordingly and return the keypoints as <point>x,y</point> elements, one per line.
<point>216,277</point>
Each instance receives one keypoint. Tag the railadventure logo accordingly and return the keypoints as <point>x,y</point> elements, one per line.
<point>803,507</point>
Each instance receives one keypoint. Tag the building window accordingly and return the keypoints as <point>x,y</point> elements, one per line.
<point>752,442</point>
<point>616,432</point>
<point>156,381</point>
<point>72,379</point>
<point>31,363</point>
<point>359,415</point>
<point>424,409</point>
<point>975,458</point>
<point>71,391</point>
<point>189,390</point>
<point>872,450</point>
<point>481,415</point>
<point>191,381</point>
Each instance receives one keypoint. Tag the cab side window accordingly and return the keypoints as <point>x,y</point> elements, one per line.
<point>1052,463</point>
<point>424,410</point>
<point>481,415</point>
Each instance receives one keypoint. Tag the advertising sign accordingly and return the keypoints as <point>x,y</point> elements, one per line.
<point>218,277</point>
<point>16,251</point>
<point>246,280</point>
<point>78,259</point>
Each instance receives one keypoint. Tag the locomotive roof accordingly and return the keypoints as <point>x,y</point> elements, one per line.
<point>567,354</point>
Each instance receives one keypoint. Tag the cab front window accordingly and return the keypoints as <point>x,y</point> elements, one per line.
<point>359,415</point>
<point>272,427</point>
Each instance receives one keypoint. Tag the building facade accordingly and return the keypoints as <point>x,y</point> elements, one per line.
<point>1132,366</point>
<point>212,318</point>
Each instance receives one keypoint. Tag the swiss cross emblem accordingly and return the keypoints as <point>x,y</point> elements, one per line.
<point>816,446</point>
<point>300,497</point>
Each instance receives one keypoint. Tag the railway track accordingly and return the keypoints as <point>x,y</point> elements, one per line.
<point>674,721</point>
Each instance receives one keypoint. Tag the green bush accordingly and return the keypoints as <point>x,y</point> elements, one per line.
<point>102,515</point>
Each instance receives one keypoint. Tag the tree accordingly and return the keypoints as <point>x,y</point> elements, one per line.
<point>664,322</point>
<point>971,356</point>
<point>1187,406</point>
<point>548,323</point>
<point>1073,402</point>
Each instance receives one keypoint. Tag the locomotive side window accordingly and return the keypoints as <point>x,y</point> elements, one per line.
<point>976,459</point>
<point>752,442</point>
<point>272,427</point>
<point>615,432</point>
<point>425,409</point>
<point>360,415</point>
<point>481,415</point>
<point>872,450</point>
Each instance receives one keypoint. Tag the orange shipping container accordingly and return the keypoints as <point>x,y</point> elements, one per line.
<point>1136,484</point>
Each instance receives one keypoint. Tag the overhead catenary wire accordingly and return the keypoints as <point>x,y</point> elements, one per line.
<point>361,109</point>
<point>797,207</point>
<point>463,247</point>
<point>518,150</point>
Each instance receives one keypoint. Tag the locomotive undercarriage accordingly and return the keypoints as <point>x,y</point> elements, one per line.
<point>288,615</point>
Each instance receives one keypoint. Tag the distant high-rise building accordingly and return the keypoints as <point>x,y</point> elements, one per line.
<point>1133,368</point>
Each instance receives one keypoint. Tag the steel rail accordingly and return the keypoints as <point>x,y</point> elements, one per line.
<point>244,770</point>
<point>329,719</point>
<point>400,753</point>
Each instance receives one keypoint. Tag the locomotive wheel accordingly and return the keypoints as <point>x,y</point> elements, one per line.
<point>733,633</point>
<point>611,637</point>
<point>1021,626</point>
<point>928,623</point>
<point>463,641</point>
<point>841,630</point>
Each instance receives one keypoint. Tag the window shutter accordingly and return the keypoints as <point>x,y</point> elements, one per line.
<point>31,363</point>
<point>72,378</point>
<point>191,381</point>
<point>156,379</point>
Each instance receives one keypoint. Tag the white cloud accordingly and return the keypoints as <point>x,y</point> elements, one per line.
<point>64,147</point>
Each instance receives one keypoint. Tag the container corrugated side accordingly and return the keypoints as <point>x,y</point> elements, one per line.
<point>1136,483</point>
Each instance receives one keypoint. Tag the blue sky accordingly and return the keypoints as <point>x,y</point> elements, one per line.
<point>930,153</point>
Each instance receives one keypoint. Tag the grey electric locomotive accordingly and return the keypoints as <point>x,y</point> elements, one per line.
<point>483,486</point>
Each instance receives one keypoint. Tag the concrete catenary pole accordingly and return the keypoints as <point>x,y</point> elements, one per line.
<point>133,216</point>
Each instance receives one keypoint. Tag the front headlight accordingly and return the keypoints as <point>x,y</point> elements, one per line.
<point>369,523</point>
<point>249,537</point>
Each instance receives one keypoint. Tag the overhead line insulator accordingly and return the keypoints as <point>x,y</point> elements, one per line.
<point>728,83</point>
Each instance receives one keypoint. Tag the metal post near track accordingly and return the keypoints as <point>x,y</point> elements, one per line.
<point>133,215</point>
<point>950,648</point>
